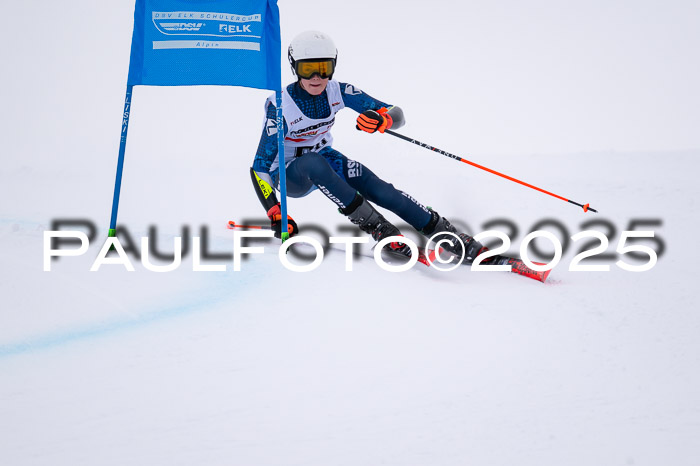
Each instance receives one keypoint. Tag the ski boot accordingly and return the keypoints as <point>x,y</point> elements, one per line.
<point>466,244</point>
<point>361,213</point>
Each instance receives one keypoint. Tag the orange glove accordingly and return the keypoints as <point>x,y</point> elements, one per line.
<point>275,216</point>
<point>374,120</point>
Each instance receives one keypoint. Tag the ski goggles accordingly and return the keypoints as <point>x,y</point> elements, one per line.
<point>306,69</point>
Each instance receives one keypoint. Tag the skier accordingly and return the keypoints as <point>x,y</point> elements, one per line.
<point>309,108</point>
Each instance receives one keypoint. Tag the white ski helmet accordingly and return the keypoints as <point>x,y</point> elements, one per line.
<point>311,45</point>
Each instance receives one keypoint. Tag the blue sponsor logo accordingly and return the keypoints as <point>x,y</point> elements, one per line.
<point>174,27</point>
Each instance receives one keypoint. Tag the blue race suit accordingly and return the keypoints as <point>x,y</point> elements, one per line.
<point>324,168</point>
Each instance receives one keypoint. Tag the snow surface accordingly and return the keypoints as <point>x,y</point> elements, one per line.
<point>270,367</point>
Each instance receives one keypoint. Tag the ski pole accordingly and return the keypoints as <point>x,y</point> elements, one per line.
<point>586,207</point>
<point>232,225</point>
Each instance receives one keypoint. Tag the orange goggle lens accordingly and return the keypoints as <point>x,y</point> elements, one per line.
<point>306,69</point>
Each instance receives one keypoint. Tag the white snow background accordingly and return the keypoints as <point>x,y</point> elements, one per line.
<point>597,102</point>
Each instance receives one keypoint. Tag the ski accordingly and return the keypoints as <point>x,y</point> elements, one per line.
<point>519,267</point>
<point>423,258</point>
<point>428,256</point>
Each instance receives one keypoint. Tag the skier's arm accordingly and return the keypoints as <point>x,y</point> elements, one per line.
<point>263,188</point>
<point>264,157</point>
<point>261,177</point>
<point>396,115</point>
<point>361,102</point>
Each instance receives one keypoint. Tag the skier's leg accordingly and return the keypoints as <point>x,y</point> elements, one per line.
<point>439,228</point>
<point>378,191</point>
<point>427,221</point>
<point>361,213</point>
<point>312,169</point>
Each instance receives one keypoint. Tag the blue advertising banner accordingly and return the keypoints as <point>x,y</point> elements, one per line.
<point>206,42</point>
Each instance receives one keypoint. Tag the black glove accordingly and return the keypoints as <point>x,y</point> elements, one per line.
<point>275,216</point>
